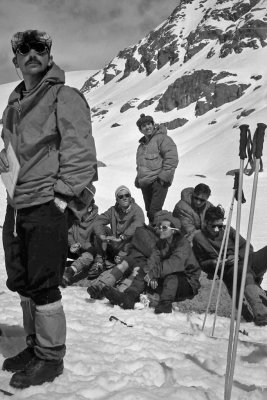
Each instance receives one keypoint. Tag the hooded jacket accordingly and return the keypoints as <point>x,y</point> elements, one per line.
<point>156,159</point>
<point>121,222</point>
<point>191,220</point>
<point>49,129</point>
<point>182,259</point>
<point>82,230</point>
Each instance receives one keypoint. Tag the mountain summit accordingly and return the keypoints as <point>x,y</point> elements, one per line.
<point>208,53</point>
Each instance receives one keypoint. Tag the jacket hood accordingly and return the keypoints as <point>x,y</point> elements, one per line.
<point>158,129</point>
<point>54,75</point>
<point>186,194</point>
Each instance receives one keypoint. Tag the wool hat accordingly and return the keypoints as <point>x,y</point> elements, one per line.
<point>144,119</point>
<point>120,188</point>
<point>163,215</point>
<point>30,36</point>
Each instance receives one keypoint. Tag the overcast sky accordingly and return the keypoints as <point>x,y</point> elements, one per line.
<point>86,34</point>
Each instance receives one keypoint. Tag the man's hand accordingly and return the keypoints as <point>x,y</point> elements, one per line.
<point>61,204</point>
<point>103,238</point>
<point>75,247</point>
<point>230,260</point>
<point>4,165</point>
<point>113,239</point>
<point>153,283</point>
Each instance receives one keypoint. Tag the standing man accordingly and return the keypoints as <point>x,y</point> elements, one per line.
<point>49,127</point>
<point>191,209</point>
<point>156,161</point>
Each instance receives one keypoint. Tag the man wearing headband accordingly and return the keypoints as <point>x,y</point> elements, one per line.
<point>48,126</point>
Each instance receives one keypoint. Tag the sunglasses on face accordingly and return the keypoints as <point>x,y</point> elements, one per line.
<point>165,228</point>
<point>38,47</point>
<point>219,226</point>
<point>199,199</point>
<point>123,196</point>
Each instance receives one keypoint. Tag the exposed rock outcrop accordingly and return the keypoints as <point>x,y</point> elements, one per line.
<point>202,87</point>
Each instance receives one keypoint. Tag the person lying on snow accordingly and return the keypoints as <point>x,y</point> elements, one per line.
<point>206,246</point>
<point>174,265</point>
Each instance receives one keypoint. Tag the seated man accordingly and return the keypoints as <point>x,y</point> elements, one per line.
<point>206,246</point>
<point>122,219</point>
<point>81,244</point>
<point>142,249</point>
<point>174,263</point>
<point>191,209</point>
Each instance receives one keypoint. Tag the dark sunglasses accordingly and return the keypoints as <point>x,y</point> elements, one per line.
<point>123,196</point>
<point>165,228</point>
<point>38,47</point>
<point>199,199</point>
<point>219,226</point>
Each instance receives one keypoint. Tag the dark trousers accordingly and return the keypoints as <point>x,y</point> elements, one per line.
<point>154,196</point>
<point>258,261</point>
<point>176,288</point>
<point>173,287</point>
<point>35,258</point>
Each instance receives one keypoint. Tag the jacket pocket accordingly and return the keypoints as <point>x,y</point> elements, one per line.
<point>153,161</point>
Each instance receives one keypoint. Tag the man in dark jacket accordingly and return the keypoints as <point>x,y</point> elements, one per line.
<point>191,209</point>
<point>173,263</point>
<point>206,246</point>
<point>47,128</point>
<point>156,161</point>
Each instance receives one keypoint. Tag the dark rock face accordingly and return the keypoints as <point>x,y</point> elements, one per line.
<point>175,123</point>
<point>245,113</point>
<point>147,103</point>
<point>202,87</point>
<point>128,105</point>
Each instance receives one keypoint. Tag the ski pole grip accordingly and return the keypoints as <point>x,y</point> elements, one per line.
<point>243,141</point>
<point>259,139</point>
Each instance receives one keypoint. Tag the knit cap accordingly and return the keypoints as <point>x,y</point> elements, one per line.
<point>120,188</point>
<point>144,119</point>
<point>30,36</point>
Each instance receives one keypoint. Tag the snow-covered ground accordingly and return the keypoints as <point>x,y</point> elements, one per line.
<point>157,356</point>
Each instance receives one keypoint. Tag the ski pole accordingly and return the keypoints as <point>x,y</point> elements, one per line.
<point>227,232</point>
<point>258,153</point>
<point>242,154</point>
<point>214,278</point>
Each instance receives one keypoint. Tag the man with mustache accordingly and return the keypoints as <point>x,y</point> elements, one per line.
<point>48,127</point>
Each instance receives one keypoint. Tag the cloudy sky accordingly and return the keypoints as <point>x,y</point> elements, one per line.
<point>86,34</point>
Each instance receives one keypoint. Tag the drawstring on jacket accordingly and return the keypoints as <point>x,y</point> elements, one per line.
<point>15,223</point>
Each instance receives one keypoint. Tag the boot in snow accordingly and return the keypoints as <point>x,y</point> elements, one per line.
<point>37,372</point>
<point>124,300</point>
<point>20,361</point>
<point>164,307</point>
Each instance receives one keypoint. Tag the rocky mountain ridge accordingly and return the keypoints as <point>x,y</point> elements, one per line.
<point>198,36</point>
